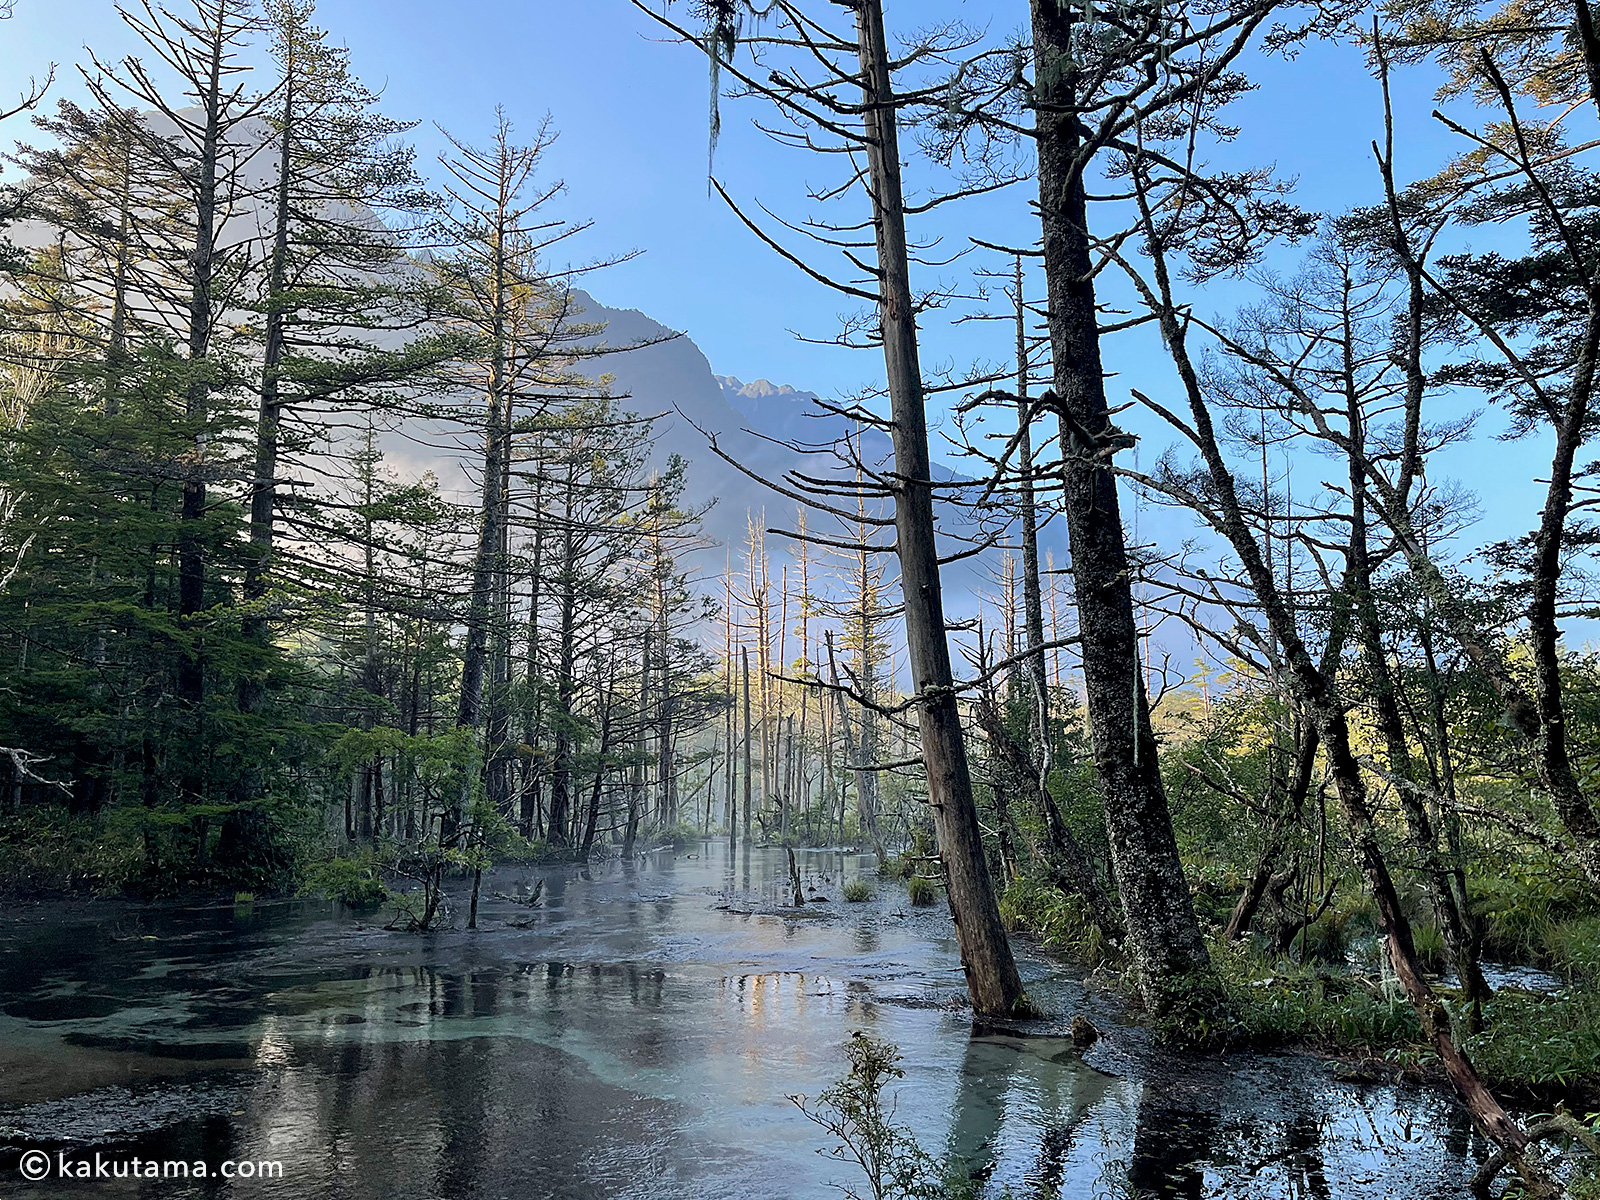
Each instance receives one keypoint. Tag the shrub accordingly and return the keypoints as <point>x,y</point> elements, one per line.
<point>46,849</point>
<point>857,890</point>
<point>678,836</point>
<point>351,880</point>
<point>859,1118</point>
<point>921,891</point>
<point>1324,939</point>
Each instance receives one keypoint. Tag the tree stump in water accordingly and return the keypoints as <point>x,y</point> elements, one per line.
<point>794,879</point>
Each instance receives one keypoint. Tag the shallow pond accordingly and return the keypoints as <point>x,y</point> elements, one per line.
<point>636,1036</point>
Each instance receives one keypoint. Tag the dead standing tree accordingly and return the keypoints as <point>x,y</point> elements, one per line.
<point>852,108</point>
<point>525,338</point>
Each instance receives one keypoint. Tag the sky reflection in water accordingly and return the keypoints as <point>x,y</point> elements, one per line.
<point>638,1036</point>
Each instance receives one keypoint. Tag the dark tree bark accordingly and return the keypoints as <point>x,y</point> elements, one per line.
<point>1163,933</point>
<point>744,656</point>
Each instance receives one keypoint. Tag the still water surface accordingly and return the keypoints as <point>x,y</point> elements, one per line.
<point>636,1036</point>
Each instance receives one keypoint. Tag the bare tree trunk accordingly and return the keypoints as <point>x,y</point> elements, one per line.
<point>1027,511</point>
<point>202,262</point>
<point>636,783</point>
<point>1255,891</point>
<point>592,817</point>
<point>992,979</point>
<point>1313,689</point>
<point>1062,856</point>
<point>744,654</point>
<point>1455,923</point>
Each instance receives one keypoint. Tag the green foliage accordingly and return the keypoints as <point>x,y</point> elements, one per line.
<point>921,891</point>
<point>353,880</point>
<point>1192,1010</point>
<point>1546,1041</point>
<point>1573,948</point>
<point>1429,943</point>
<point>1276,1002</point>
<point>1524,903</point>
<point>46,849</point>
<point>857,890</point>
<point>858,1115</point>
<point>678,836</point>
<point>903,866</point>
<point>1061,922</point>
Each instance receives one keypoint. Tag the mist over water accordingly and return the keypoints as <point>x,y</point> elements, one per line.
<point>637,1036</point>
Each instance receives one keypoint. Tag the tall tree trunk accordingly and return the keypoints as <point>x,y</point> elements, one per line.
<point>566,666</point>
<point>202,262</point>
<point>636,781</point>
<point>1027,512</point>
<point>1313,689</point>
<point>744,655</point>
<point>1455,923</point>
<point>592,817</point>
<point>992,979</point>
<point>1163,933</point>
<point>482,614</point>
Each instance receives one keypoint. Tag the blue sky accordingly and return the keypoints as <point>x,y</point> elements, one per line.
<point>632,111</point>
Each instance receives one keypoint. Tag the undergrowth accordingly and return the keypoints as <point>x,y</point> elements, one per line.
<point>1057,920</point>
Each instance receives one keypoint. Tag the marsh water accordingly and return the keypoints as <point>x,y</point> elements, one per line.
<point>637,1035</point>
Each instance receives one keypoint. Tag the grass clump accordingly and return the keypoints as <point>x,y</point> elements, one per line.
<point>1061,922</point>
<point>1278,1002</point>
<point>1523,908</point>
<point>1542,1043</point>
<point>1572,949</point>
<point>921,891</point>
<point>857,890</point>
